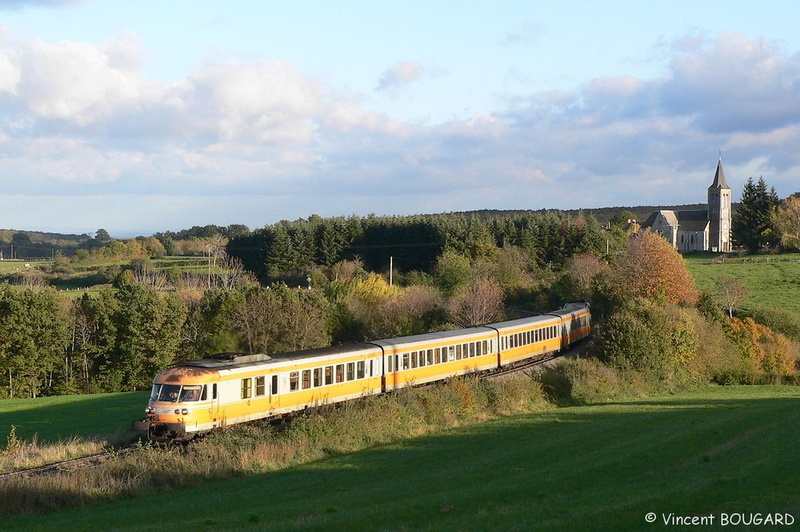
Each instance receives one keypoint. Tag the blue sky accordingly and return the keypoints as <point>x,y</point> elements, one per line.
<point>148,116</point>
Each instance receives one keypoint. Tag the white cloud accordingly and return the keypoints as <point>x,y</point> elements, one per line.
<point>401,75</point>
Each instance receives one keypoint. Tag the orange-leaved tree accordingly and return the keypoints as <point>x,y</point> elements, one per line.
<point>767,350</point>
<point>651,267</point>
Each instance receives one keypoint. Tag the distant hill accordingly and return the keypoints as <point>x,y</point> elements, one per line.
<point>603,215</point>
<point>37,237</point>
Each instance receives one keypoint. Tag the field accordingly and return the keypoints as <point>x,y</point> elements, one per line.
<point>771,280</point>
<point>59,417</point>
<point>720,450</point>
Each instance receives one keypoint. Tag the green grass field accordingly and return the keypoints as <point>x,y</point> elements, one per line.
<point>770,280</point>
<point>600,467</point>
<point>59,417</point>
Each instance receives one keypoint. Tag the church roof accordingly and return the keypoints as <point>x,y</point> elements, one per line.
<point>719,177</point>
<point>692,220</point>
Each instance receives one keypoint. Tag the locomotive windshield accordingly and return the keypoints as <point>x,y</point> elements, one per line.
<point>173,393</point>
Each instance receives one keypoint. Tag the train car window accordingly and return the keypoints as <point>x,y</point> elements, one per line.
<point>458,352</point>
<point>351,371</point>
<point>437,355</point>
<point>414,359</point>
<point>306,379</point>
<point>478,349</point>
<point>371,372</point>
<point>430,356</point>
<point>214,391</point>
<point>486,347</point>
<point>274,390</point>
<point>294,381</point>
<point>246,388</point>
<point>360,369</point>
<point>317,377</point>
<point>390,363</point>
<point>451,353</point>
<point>328,374</point>
<point>396,363</point>
<point>472,349</point>
<point>261,386</point>
<point>405,361</point>
<point>339,372</point>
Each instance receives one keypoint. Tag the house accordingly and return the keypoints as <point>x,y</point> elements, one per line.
<point>701,230</point>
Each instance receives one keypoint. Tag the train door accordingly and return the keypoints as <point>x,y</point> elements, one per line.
<point>274,396</point>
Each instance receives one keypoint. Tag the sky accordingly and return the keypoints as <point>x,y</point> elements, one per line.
<point>149,116</point>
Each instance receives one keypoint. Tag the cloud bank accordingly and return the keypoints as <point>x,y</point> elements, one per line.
<point>83,130</point>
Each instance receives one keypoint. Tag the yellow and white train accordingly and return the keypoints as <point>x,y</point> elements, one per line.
<point>197,396</point>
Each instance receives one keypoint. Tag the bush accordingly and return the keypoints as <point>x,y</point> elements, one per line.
<point>779,320</point>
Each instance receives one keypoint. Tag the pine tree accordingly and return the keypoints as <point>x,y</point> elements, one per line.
<point>752,223</point>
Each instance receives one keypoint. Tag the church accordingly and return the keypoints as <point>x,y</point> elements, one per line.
<point>708,230</point>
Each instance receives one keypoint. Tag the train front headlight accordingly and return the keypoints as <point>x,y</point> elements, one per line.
<point>149,410</point>
<point>185,411</point>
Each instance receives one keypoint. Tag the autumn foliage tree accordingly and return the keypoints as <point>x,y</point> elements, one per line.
<point>651,267</point>
<point>766,350</point>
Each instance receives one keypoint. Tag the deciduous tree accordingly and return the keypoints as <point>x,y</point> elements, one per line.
<point>651,267</point>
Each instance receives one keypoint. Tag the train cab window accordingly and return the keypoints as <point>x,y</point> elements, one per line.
<point>294,381</point>
<point>317,377</point>
<point>328,375</point>
<point>274,390</point>
<point>351,371</point>
<point>204,395</point>
<point>261,386</point>
<point>246,388</point>
<point>306,379</point>
<point>339,372</point>
<point>360,369</point>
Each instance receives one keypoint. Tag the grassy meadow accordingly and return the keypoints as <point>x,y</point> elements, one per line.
<point>597,467</point>
<point>55,418</point>
<point>771,280</point>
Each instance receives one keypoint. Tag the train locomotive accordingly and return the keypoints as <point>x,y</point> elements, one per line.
<point>197,396</point>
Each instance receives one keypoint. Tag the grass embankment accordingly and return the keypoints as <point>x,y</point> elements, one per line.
<point>603,466</point>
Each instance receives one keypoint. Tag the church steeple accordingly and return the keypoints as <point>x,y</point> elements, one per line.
<point>719,211</point>
<point>719,177</point>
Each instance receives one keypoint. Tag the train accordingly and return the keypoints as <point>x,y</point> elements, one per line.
<point>198,396</point>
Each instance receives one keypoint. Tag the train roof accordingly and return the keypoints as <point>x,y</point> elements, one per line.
<point>223,361</point>
<point>431,337</point>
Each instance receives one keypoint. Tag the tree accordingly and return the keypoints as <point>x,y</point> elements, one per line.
<point>752,222</point>
<point>651,267</point>
<point>786,220</point>
<point>766,350</point>
<point>102,236</point>
<point>479,304</point>
<point>731,292</point>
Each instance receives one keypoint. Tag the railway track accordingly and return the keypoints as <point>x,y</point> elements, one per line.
<point>91,460</point>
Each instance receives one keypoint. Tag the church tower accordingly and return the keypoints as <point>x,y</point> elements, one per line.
<point>719,212</point>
